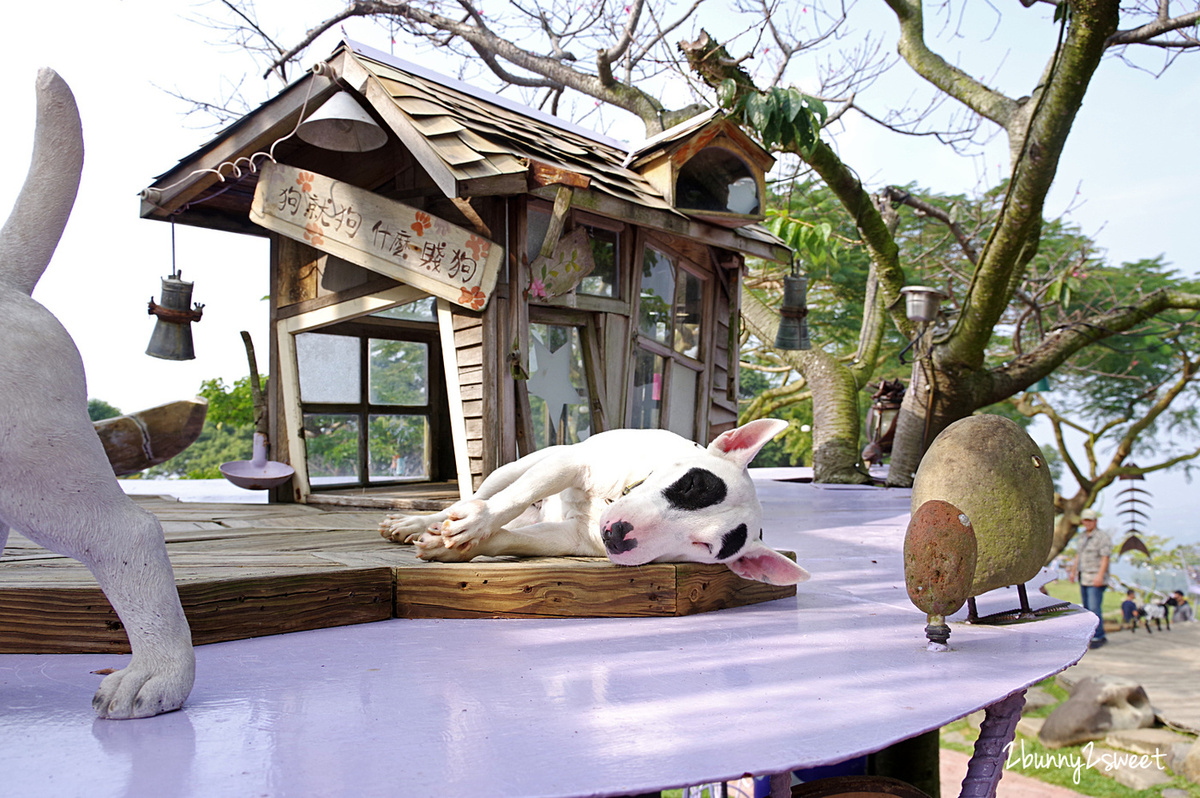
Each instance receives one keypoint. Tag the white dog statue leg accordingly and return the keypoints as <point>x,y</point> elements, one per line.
<point>56,483</point>
<point>544,539</point>
<point>406,527</point>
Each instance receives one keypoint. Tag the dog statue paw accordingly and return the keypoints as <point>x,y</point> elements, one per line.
<point>137,691</point>
<point>403,528</point>
<point>431,547</point>
<point>467,524</point>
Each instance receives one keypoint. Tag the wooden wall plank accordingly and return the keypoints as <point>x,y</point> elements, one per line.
<point>541,589</point>
<point>45,620</point>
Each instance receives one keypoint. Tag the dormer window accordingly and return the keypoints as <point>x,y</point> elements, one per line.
<point>717,180</point>
<point>707,168</point>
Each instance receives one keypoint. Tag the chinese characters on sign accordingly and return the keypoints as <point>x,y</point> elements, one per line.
<point>388,237</point>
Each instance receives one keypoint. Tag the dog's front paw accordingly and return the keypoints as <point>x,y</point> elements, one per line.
<point>467,524</point>
<point>403,528</point>
<point>138,691</point>
<point>432,547</point>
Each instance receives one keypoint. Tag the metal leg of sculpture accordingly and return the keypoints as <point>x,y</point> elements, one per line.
<point>991,749</point>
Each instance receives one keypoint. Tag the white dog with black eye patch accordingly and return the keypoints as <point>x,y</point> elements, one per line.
<point>637,496</point>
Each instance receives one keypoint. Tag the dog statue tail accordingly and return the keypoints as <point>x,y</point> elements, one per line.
<point>40,214</point>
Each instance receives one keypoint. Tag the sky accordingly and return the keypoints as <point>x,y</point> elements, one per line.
<point>1128,177</point>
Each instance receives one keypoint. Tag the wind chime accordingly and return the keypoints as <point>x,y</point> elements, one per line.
<point>1128,500</point>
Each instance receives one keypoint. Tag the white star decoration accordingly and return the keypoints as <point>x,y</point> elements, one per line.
<point>551,378</point>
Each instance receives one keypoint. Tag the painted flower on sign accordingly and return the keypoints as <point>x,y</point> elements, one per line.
<point>473,298</point>
<point>312,232</point>
<point>479,246</point>
<point>423,223</point>
<point>304,180</point>
<point>537,288</point>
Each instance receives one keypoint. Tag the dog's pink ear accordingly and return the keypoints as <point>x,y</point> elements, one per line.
<point>741,444</point>
<point>763,564</point>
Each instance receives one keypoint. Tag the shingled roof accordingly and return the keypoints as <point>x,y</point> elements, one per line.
<point>471,142</point>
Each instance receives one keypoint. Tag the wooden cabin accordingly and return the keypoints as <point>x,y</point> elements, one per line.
<point>486,281</point>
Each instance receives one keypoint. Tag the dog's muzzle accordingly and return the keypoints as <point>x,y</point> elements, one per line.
<point>615,540</point>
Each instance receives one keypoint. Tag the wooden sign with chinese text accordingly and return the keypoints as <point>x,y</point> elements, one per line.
<point>383,235</point>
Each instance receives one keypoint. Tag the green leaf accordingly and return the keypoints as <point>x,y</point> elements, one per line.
<point>727,93</point>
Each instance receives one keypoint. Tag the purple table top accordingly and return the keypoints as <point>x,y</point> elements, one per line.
<point>556,707</point>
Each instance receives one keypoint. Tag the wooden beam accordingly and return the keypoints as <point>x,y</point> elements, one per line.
<point>292,418</point>
<point>679,225</point>
<point>458,422</point>
<point>351,309</point>
<point>541,174</point>
<point>255,132</point>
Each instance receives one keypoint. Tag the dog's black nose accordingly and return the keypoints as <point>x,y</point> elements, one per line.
<point>614,537</point>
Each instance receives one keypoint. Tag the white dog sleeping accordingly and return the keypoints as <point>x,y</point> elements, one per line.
<point>637,496</point>
<point>57,486</point>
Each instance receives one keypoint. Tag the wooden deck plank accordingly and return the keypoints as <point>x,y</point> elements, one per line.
<point>249,570</point>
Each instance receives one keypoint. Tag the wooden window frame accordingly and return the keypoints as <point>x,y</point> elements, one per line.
<point>701,365</point>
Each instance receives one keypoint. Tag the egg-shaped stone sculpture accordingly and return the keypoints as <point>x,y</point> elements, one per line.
<point>991,470</point>
<point>939,558</point>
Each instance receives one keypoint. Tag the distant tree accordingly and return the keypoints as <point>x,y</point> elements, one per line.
<point>98,410</point>
<point>232,406</point>
<point>228,434</point>
<point>1132,396</point>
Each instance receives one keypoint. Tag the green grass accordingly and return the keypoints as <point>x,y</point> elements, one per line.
<point>1069,591</point>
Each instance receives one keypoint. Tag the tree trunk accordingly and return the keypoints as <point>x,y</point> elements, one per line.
<point>836,455</point>
<point>1067,523</point>
<point>936,397</point>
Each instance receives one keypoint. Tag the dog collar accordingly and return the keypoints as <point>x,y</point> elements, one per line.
<point>632,485</point>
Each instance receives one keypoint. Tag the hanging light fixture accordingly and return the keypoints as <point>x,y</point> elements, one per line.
<point>342,125</point>
<point>922,302</point>
<point>793,312</point>
<point>172,336</point>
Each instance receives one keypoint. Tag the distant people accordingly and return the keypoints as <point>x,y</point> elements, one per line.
<point>1183,610</point>
<point>1091,569</point>
<point>1129,611</point>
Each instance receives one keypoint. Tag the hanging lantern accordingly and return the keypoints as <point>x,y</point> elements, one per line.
<point>342,125</point>
<point>172,336</point>
<point>923,302</point>
<point>793,322</point>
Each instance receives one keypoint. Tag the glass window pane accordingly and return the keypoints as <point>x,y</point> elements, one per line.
<point>398,447</point>
<point>536,224</point>
<point>603,279</point>
<point>332,444</point>
<point>420,310</point>
<point>398,372</point>
<point>689,304</point>
<point>647,391</point>
<point>682,398</point>
<point>658,290</point>
<point>329,370</point>
<point>558,392</point>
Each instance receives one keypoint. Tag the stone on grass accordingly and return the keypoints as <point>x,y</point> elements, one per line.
<point>1146,741</point>
<point>1097,706</point>
<point>1037,698</point>
<point>1190,766</point>
<point>1141,776</point>
<point>1029,727</point>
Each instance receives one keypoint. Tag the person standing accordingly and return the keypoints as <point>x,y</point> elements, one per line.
<point>1183,610</point>
<point>1091,569</point>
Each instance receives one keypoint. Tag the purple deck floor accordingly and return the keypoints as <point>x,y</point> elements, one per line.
<point>555,707</point>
